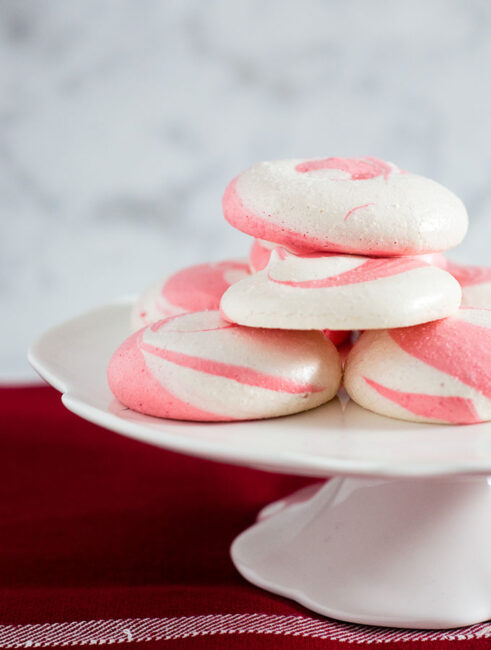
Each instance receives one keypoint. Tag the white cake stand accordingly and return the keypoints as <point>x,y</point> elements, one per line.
<point>401,537</point>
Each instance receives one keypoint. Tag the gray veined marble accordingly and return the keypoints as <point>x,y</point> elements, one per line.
<point>121,122</point>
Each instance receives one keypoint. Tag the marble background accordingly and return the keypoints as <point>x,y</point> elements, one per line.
<point>122,121</point>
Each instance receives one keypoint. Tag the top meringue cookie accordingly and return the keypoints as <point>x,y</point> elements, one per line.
<point>353,205</point>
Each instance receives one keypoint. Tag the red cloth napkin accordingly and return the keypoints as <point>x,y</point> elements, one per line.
<point>108,540</point>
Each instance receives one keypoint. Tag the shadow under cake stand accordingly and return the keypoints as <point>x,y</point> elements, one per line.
<point>400,537</point>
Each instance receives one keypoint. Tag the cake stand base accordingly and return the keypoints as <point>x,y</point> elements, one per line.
<point>399,553</point>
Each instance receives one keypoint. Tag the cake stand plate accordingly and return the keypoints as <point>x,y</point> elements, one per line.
<point>399,538</point>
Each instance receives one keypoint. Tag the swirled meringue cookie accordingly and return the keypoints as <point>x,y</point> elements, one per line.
<point>196,366</point>
<point>260,253</point>
<point>475,282</point>
<point>436,372</point>
<point>341,292</point>
<point>362,206</point>
<point>194,288</point>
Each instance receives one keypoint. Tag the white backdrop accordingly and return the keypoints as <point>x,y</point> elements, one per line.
<point>121,123</point>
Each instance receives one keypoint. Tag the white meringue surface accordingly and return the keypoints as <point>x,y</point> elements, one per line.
<point>196,366</point>
<point>350,205</point>
<point>436,372</point>
<point>341,292</point>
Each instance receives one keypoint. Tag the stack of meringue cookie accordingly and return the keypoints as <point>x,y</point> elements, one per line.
<point>340,246</point>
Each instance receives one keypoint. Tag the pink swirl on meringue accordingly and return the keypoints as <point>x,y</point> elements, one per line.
<point>454,346</point>
<point>194,288</point>
<point>357,207</point>
<point>242,374</point>
<point>458,410</point>
<point>144,392</point>
<point>359,169</point>
<point>200,287</point>
<point>373,269</point>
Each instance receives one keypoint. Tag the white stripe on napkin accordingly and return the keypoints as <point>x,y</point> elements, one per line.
<point>126,630</point>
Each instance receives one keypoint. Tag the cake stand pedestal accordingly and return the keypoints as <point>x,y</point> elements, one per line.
<point>402,553</point>
<point>401,536</point>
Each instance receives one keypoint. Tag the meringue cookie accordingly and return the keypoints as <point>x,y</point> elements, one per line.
<point>260,253</point>
<point>475,282</point>
<point>341,292</point>
<point>194,288</point>
<point>360,206</point>
<point>196,366</point>
<point>436,372</point>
